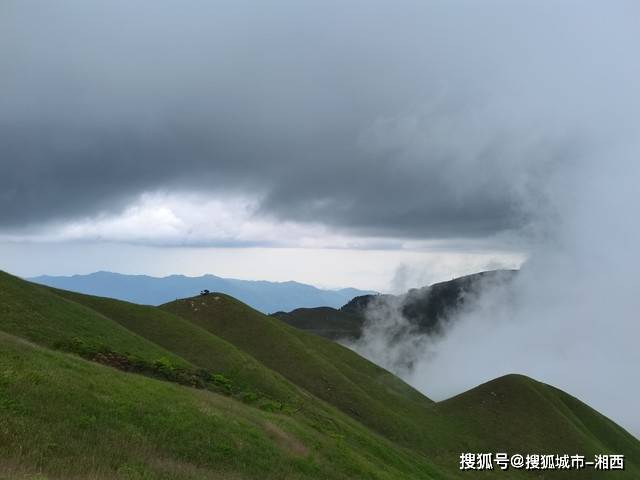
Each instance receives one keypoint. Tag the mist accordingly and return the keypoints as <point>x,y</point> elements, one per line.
<point>570,317</point>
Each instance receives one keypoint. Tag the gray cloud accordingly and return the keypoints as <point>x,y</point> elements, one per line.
<point>423,119</point>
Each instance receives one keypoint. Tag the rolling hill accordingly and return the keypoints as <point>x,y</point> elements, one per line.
<point>262,295</point>
<point>209,388</point>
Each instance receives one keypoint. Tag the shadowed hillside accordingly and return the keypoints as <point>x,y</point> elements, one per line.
<point>327,322</point>
<point>427,308</point>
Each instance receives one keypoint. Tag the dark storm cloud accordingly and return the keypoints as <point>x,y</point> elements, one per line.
<point>389,118</point>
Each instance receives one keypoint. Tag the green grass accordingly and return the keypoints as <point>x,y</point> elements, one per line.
<point>324,321</point>
<point>339,416</point>
<point>192,343</point>
<point>520,415</point>
<point>387,405</point>
<point>65,418</point>
<point>327,370</point>
<point>37,314</point>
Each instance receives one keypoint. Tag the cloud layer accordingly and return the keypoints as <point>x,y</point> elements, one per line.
<point>404,119</point>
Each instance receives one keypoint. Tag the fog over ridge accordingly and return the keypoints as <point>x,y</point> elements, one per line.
<point>568,318</point>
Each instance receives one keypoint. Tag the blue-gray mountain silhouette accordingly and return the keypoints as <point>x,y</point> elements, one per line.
<point>264,296</point>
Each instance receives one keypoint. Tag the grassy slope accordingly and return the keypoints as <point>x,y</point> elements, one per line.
<point>53,315</point>
<point>523,416</point>
<point>65,418</point>
<point>520,415</point>
<point>155,422</point>
<point>324,321</point>
<point>46,316</point>
<point>35,313</point>
<point>329,371</point>
<point>192,343</point>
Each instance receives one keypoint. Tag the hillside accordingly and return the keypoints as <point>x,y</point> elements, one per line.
<point>271,401</point>
<point>327,370</point>
<point>44,306</point>
<point>327,322</point>
<point>554,420</point>
<point>190,342</point>
<point>37,314</point>
<point>426,308</point>
<point>414,421</point>
<point>142,289</point>
<point>65,418</point>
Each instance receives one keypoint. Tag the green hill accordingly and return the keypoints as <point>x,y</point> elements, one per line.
<point>38,314</point>
<point>327,370</point>
<point>327,322</point>
<point>553,420</point>
<point>207,388</point>
<point>65,418</point>
<point>191,342</point>
<point>356,386</point>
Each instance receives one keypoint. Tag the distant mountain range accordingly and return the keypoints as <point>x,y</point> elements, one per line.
<point>427,308</point>
<point>264,296</point>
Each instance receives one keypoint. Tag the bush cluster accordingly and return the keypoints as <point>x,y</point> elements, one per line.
<point>164,369</point>
<point>161,368</point>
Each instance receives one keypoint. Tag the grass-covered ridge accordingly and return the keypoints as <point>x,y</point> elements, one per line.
<point>191,342</point>
<point>65,418</point>
<point>390,407</point>
<point>36,313</point>
<point>327,370</point>
<point>274,402</point>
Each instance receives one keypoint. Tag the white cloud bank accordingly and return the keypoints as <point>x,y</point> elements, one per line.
<point>571,318</point>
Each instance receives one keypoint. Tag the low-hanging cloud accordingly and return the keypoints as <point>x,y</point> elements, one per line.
<point>404,119</point>
<point>569,318</point>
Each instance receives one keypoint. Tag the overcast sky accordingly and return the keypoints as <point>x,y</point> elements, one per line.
<point>358,138</point>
